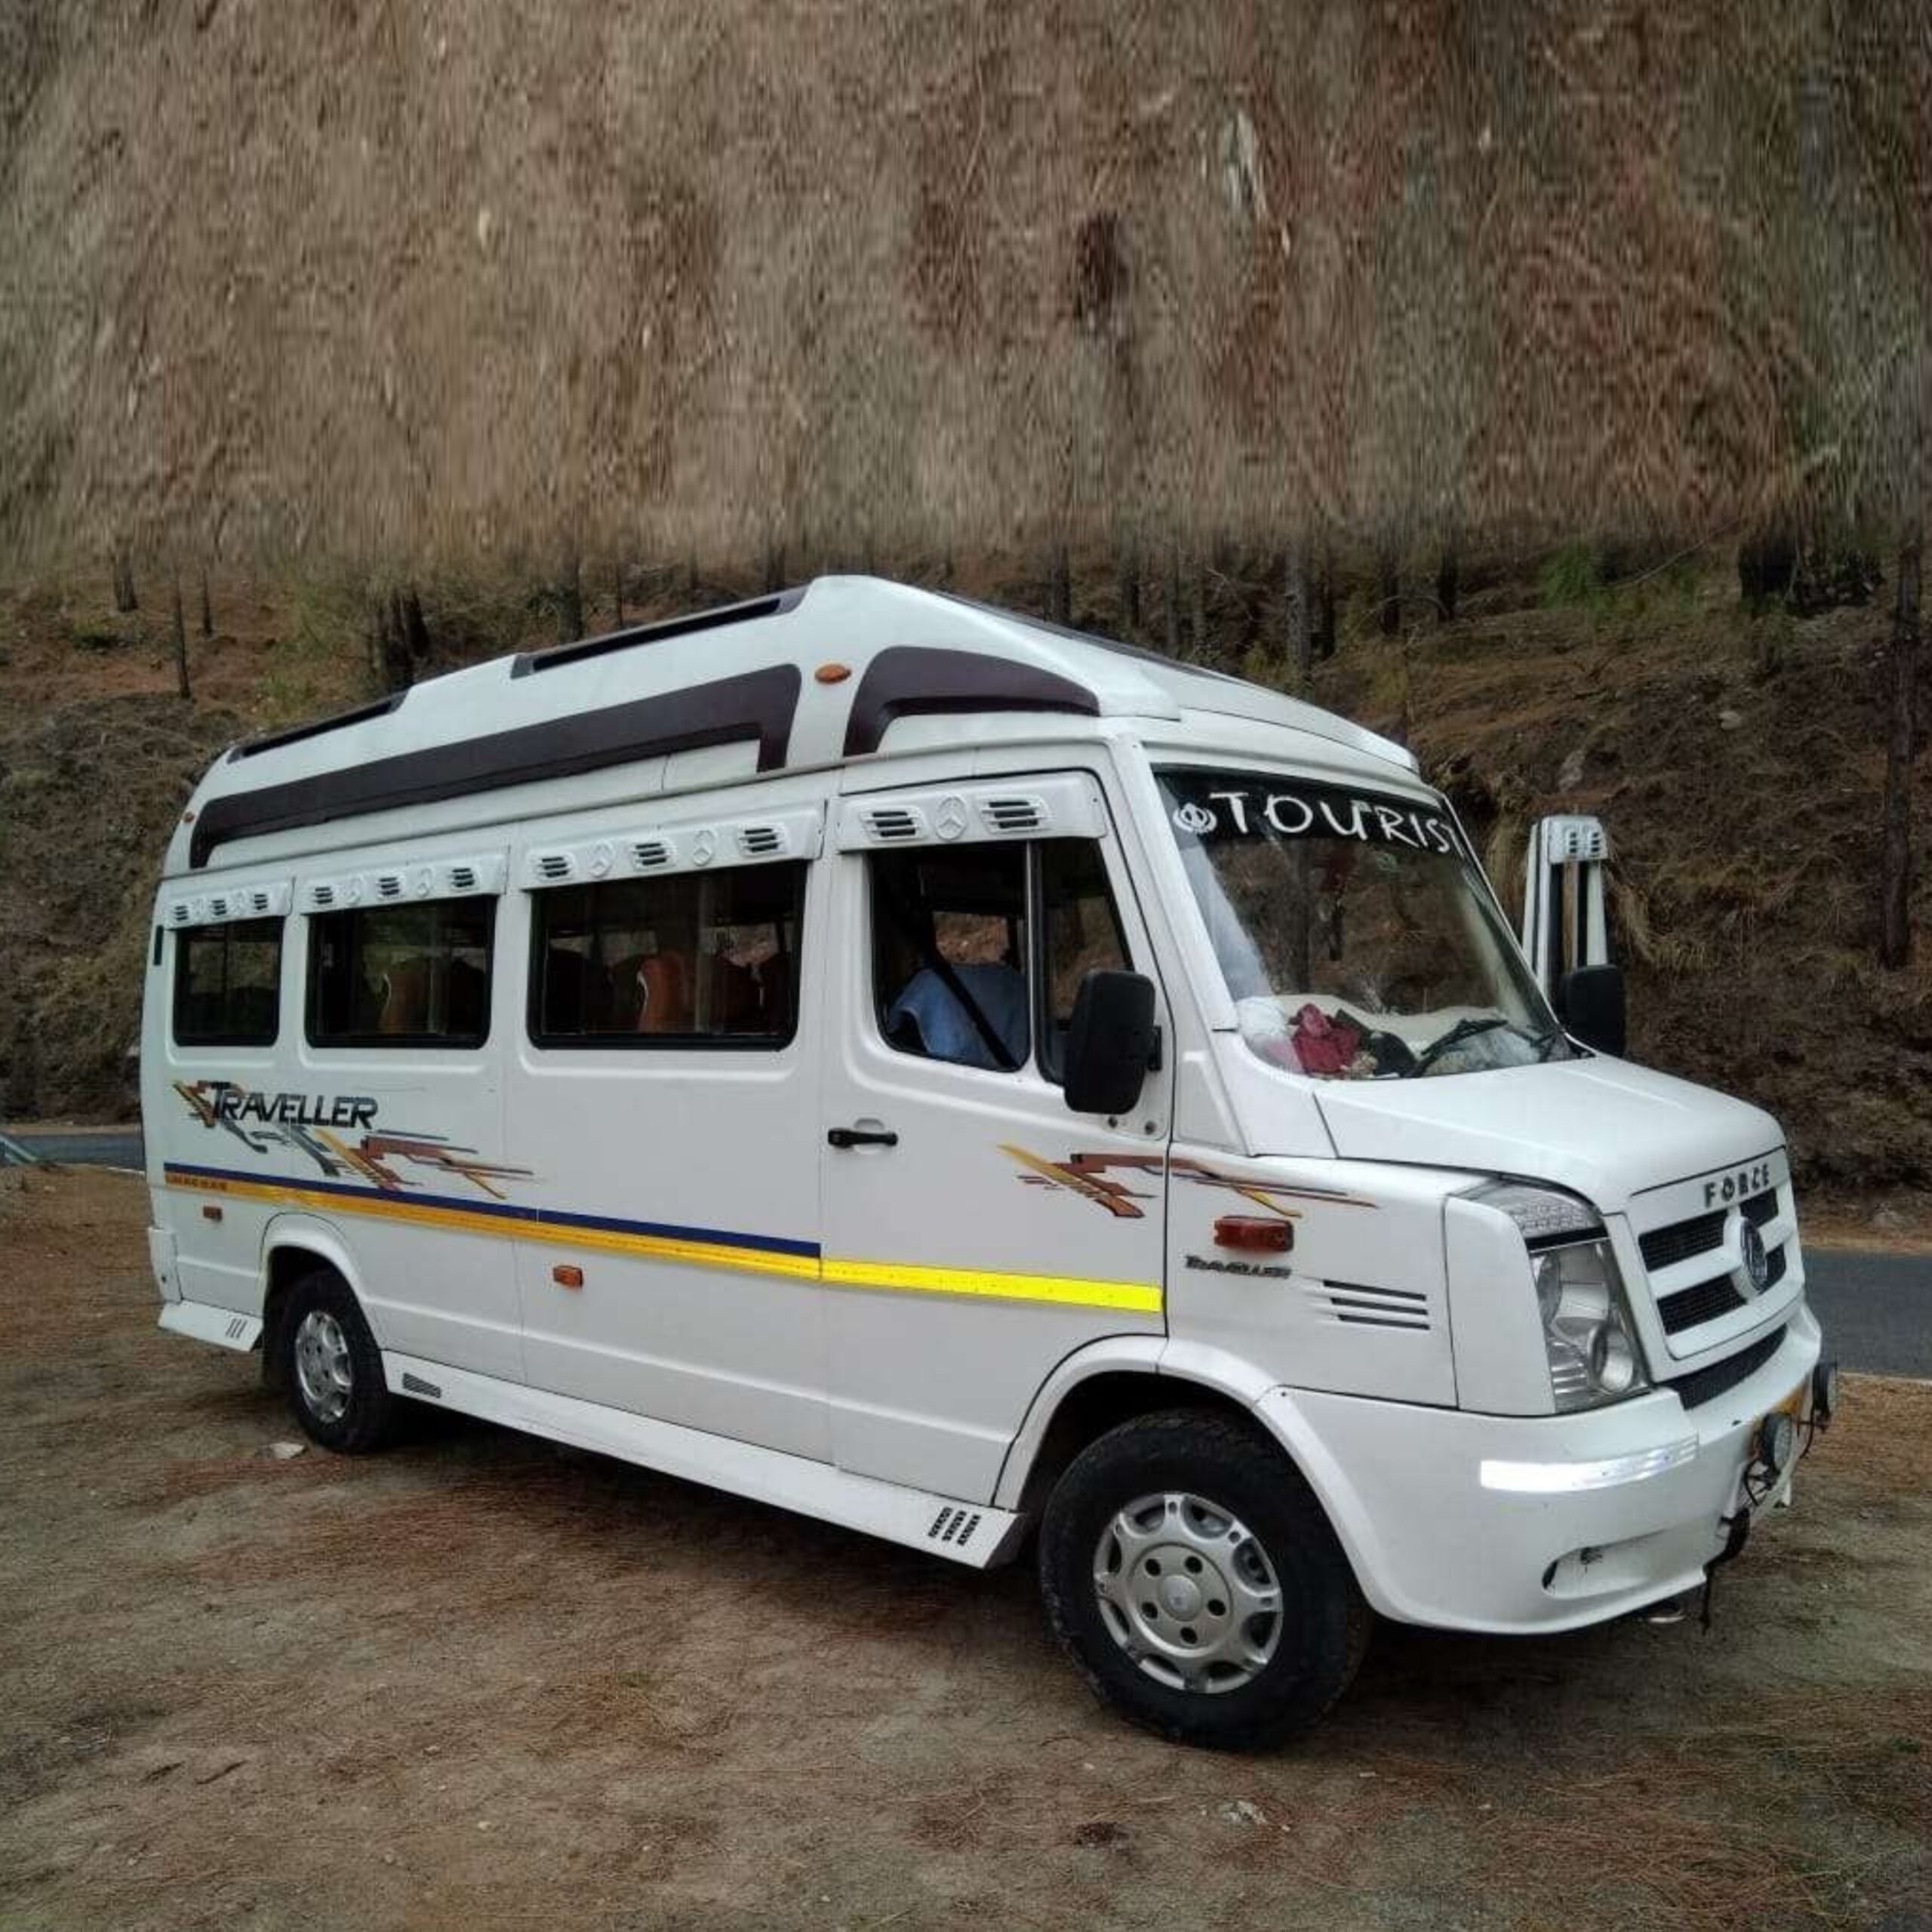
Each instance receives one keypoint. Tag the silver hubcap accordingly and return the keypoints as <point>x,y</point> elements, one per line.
<point>321,1365</point>
<point>1187,1592</point>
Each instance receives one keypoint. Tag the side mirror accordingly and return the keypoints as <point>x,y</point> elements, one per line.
<point>1589,1001</point>
<point>1110,1042</point>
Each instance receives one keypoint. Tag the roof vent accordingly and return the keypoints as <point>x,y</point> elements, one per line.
<point>553,866</point>
<point>1013,815</point>
<point>388,885</point>
<point>887,823</point>
<point>322,895</point>
<point>182,912</point>
<point>218,906</point>
<point>761,841</point>
<point>260,902</point>
<point>463,877</point>
<point>647,854</point>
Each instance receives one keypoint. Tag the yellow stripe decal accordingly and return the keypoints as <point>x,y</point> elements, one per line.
<point>908,1278</point>
<point>1143,1297</point>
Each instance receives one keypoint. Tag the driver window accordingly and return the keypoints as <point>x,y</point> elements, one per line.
<point>954,939</point>
<point>949,942</point>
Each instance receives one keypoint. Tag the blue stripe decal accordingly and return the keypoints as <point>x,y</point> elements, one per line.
<point>536,1219</point>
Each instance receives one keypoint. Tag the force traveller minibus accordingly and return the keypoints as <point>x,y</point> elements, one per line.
<point>962,1079</point>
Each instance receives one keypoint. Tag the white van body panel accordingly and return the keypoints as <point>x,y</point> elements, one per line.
<point>1002,1234</point>
<point>653,1250</point>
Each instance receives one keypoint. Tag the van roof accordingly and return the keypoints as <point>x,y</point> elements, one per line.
<point>809,677</point>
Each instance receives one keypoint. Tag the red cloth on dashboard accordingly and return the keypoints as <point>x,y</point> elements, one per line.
<point>1325,1042</point>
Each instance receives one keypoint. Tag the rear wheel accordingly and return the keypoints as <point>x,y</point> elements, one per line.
<point>332,1368</point>
<point>1193,1576</point>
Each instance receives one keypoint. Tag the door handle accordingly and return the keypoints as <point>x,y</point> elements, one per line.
<point>860,1137</point>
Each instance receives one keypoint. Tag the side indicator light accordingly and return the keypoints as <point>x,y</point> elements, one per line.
<point>1250,1231</point>
<point>211,1213</point>
<point>565,1276</point>
<point>832,674</point>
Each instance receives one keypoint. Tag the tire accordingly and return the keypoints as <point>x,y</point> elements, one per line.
<point>1199,1524</point>
<point>329,1363</point>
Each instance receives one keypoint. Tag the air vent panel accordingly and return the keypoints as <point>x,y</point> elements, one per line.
<point>229,903</point>
<point>1374,1308</point>
<point>1010,816</point>
<point>889,824</point>
<point>1060,804</point>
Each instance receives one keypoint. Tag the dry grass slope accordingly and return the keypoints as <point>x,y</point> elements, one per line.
<point>336,277</point>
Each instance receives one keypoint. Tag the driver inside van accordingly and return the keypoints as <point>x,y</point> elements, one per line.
<point>941,1027</point>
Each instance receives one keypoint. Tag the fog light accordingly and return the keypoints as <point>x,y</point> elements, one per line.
<point>1777,1438</point>
<point>1824,1392</point>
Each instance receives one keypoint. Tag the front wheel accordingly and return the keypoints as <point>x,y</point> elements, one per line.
<point>1193,1576</point>
<point>330,1366</point>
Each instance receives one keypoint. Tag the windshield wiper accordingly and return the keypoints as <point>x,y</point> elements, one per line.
<point>1463,1029</point>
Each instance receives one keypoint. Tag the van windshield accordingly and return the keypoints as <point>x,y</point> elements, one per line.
<point>1355,935</point>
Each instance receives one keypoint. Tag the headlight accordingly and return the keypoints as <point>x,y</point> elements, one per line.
<point>1586,1331</point>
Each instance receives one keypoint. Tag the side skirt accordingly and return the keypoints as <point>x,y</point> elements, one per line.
<point>974,1533</point>
<point>206,1323</point>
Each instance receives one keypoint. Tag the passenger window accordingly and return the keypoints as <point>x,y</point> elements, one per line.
<point>707,958</point>
<point>949,951</point>
<point>402,976</point>
<point>1080,933</point>
<point>228,984</point>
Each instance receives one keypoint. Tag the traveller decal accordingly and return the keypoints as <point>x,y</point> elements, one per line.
<point>304,1121</point>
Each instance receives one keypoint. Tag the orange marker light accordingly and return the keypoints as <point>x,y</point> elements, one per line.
<point>210,1214</point>
<point>1248,1231</point>
<point>567,1277</point>
<point>832,674</point>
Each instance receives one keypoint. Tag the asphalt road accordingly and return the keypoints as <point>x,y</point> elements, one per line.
<point>112,1148</point>
<point>1877,1309</point>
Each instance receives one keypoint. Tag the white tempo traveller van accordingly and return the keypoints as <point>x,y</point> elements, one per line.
<point>899,1060</point>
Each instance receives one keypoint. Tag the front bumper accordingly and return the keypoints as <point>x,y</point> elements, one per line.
<point>1512,1524</point>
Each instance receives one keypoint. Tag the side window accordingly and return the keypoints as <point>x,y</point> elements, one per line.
<point>1080,933</point>
<point>705,958</point>
<point>950,949</point>
<point>401,976</point>
<point>228,984</point>
<point>958,934</point>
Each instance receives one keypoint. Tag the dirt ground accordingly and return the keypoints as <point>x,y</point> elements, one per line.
<point>482,1681</point>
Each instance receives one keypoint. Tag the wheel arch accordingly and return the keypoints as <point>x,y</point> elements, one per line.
<point>1110,1383</point>
<point>293,1245</point>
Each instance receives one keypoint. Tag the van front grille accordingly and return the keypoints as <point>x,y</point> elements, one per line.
<point>1706,1384</point>
<point>1664,1247</point>
<point>1691,1307</point>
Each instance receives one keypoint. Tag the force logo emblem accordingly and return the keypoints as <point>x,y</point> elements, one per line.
<point>1757,1263</point>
